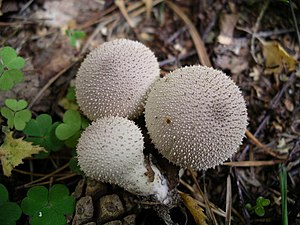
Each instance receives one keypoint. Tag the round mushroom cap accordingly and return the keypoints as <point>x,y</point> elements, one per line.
<point>196,117</point>
<point>111,150</point>
<point>115,78</point>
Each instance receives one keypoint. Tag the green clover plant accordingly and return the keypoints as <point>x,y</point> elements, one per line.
<point>10,212</point>
<point>48,207</point>
<point>69,101</point>
<point>16,113</point>
<point>10,68</point>
<point>70,130</point>
<point>259,209</point>
<point>41,131</point>
<point>74,36</point>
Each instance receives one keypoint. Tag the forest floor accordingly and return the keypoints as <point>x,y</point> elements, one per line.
<point>254,42</point>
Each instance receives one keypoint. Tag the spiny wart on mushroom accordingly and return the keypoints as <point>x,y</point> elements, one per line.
<point>115,78</point>
<point>196,117</point>
<point>111,150</point>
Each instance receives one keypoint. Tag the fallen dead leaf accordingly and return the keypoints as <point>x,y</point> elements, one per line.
<point>276,58</point>
<point>194,208</point>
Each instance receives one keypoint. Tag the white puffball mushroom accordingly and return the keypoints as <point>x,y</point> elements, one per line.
<point>111,150</point>
<point>114,79</point>
<point>196,117</point>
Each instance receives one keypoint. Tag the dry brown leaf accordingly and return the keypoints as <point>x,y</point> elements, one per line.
<point>194,208</point>
<point>277,59</point>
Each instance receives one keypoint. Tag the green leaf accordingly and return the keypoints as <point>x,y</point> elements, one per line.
<point>71,94</point>
<point>72,40</point>
<point>60,199</point>
<point>260,211</point>
<point>78,34</point>
<point>15,105</point>
<point>74,167</point>
<point>6,81</point>
<point>248,206</point>
<point>3,194</point>
<point>10,212</point>
<point>48,216</point>
<point>41,132</point>
<point>7,54</point>
<point>37,198</point>
<point>21,118</point>
<point>9,115</point>
<point>71,124</point>
<point>72,141</point>
<point>16,63</point>
<point>1,68</point>
<point>48,208</point>
<point>16,75</point>
<point>265,202</point>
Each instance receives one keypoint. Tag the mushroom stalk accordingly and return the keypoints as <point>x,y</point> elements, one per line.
<point>111,150</point>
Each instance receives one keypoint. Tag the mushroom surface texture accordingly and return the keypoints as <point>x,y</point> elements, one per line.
<point>111,150</point>
<point>196,117</point>
<point>114,79</point>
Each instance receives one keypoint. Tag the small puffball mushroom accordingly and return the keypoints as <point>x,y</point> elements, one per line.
<point>115,78</point>
<point>196,117</point>
<point>111,150</point>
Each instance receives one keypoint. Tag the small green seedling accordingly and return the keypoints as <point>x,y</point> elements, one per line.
<point>70,130</point>
<point>16,113</point>
<point>259,209</point>
<point>51,207</point>
<point>10,212</point>
<point>41,131</point>
<point>10,68</point>
<point>75,36</point>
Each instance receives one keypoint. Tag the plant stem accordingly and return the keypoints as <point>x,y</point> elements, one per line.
<point>283,188</point>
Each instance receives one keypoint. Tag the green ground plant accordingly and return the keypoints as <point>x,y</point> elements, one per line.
<point>10,212</point>
<point>41,131</point>
<point>48,207</point>
<point>259,207</point>
<point>16,113</point>
<point>75,36</point>
<point>10,68</point>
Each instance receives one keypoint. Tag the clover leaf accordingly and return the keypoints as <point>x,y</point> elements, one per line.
<point>10,68</point>
<point>47,208</point>
<point>259,209</point>
<point>10,212</point>
<point>41,131</point>
<point>16,114</point>
<point>74,36</point>
<point>70,126</point>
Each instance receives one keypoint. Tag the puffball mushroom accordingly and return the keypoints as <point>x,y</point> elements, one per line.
<point>115,78</point>
<point>196,117</point>
<point>111,150</point>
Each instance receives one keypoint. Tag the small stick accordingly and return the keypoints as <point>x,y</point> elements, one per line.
<point>207,205</point>
<point>266,149</point>
<point>256,27</point>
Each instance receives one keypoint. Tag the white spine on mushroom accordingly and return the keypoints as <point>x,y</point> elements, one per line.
<point>196,117</point>
<point>111,150</point>
<point>114,79</point>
